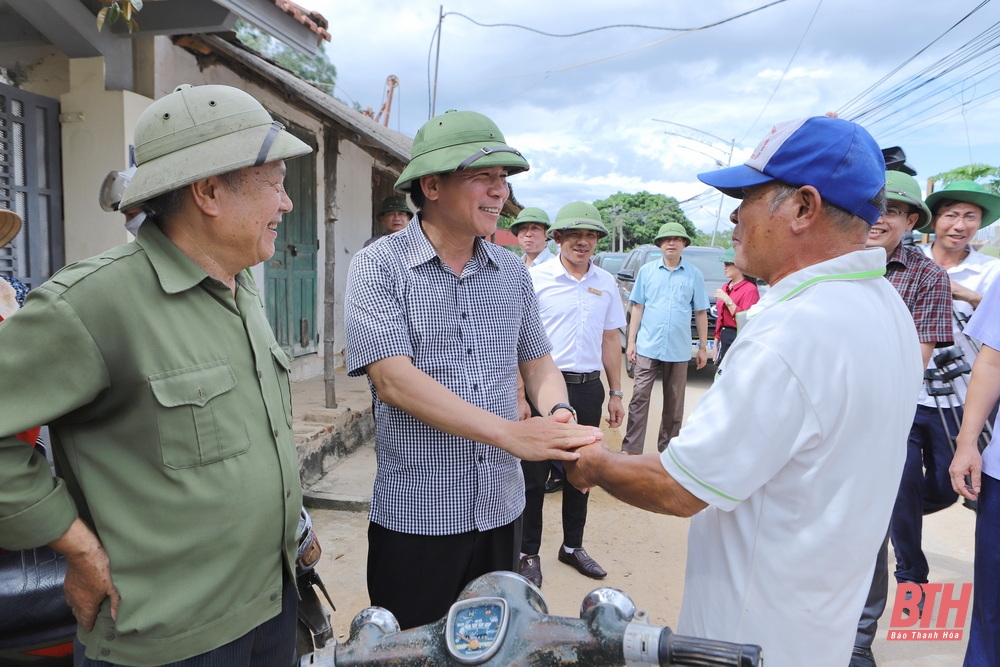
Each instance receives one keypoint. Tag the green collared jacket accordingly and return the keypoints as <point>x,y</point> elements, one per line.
<point>170,412</point>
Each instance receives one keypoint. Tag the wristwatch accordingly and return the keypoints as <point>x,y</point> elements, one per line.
<point>564,406</point>
<point>617,392</point>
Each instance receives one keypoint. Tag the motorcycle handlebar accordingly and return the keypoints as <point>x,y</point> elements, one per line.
<point>681,650</point>
<point>503,605</point>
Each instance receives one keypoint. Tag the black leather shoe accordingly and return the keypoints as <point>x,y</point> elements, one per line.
<point>583,563</point>
<point>530,568</point>
<point>553,484</point>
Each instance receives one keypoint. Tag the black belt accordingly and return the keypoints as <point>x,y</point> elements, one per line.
<point>581,378</point>
<point>730,328</point>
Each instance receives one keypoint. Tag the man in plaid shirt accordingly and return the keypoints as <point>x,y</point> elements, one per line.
<point>925,288</point>
<point>441,322</point>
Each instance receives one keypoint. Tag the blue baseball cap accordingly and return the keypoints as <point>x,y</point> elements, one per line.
<point>837,157</point>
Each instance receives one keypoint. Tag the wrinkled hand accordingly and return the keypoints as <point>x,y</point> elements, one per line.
<point>576,471</point>
<point>701,358</point>
<point>549,438</point>
<point>88,582</point>
<point>88,573</point>
<point>967,461</point>
<point>616,412</point>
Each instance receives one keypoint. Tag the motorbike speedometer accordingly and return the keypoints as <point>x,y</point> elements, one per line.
<point>475,629</point>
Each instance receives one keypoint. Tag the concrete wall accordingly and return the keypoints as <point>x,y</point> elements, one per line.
<point>42,70</point>
<point>97,128</point>
<point>354,215</point>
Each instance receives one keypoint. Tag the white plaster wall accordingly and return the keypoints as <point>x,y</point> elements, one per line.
<point>353,227</point>
<point>97,129</point>
<point>44,68</point>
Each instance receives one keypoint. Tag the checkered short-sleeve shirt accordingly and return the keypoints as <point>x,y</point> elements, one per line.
<point>468,332</point>
<point>925,289</point>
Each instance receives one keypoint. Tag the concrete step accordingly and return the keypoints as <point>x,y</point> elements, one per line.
<point>347,486</point>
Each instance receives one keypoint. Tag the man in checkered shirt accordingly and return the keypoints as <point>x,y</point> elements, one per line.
<point>441,321</point>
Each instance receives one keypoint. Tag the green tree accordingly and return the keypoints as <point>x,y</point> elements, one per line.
<point>317,70</point>
<point>984,174</point>
<point>641,214</point>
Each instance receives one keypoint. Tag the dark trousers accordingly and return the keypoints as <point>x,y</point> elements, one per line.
<point>418,577</point>
<point>726,337</point>
<point>984,639</point>
<point>270,644</point>
<point>925,487</point>
<point>674,383</point>
<point>878,594</point>
<point>588,401</point>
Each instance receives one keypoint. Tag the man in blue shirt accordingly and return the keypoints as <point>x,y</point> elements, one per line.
<point>659,334</point>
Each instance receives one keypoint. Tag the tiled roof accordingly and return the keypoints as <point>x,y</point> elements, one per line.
<point>310,19</point>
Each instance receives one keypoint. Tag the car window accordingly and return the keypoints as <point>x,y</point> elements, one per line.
<point>709,264</point>
<point>612,264</point>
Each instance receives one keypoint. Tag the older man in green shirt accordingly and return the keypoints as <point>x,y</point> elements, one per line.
<point>168,401</point>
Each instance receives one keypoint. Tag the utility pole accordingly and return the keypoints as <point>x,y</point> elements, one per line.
<point>437,59</point>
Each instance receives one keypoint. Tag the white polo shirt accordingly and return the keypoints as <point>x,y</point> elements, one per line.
<point>576,313</point>
<point>976,272</point>
<point>798,449</point>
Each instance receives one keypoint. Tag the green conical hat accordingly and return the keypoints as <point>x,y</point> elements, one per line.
<point>669,229</point>
<point>530,214</point>
<point>457,140</point>
<point>578,215</point>
<point>902,187</point>
<point>971,192</point>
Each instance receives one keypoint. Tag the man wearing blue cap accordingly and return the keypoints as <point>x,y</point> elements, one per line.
<point>794,485</point>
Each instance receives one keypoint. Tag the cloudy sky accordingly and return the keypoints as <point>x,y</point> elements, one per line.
<point>585,109</point>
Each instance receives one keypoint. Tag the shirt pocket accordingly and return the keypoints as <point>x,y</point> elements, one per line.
<point>199,417</point>
<point>283,367</point>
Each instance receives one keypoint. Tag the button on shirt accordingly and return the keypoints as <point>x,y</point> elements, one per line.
<point>468,332</point>
<point>668,299</point>
<point>576,313</point>
<point>169,407</point>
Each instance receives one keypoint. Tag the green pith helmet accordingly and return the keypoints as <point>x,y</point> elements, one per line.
<point>904,188</point>
<point>455,140</point>
<point>578,215</point>
<point>669,229</point>
<point>530,214</point>
<point>728,257</point>
<point>394,203</point>
<point>200,131</point>
<point>971,192</point>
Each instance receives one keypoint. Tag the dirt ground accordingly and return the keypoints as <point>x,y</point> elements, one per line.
<point>644,555</point>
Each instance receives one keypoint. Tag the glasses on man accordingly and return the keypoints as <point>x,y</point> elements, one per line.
<point>972,218</point>
<point>896,213</point>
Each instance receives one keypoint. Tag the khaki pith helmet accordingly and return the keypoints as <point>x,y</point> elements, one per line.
<point>669,229</point>
<point>530,214</point>
<point>904,188</point>
<point>200,131</point>
<point>10,225</point>
<point>394,203</point>
<point>458,140</point>
<point>578,215</point>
